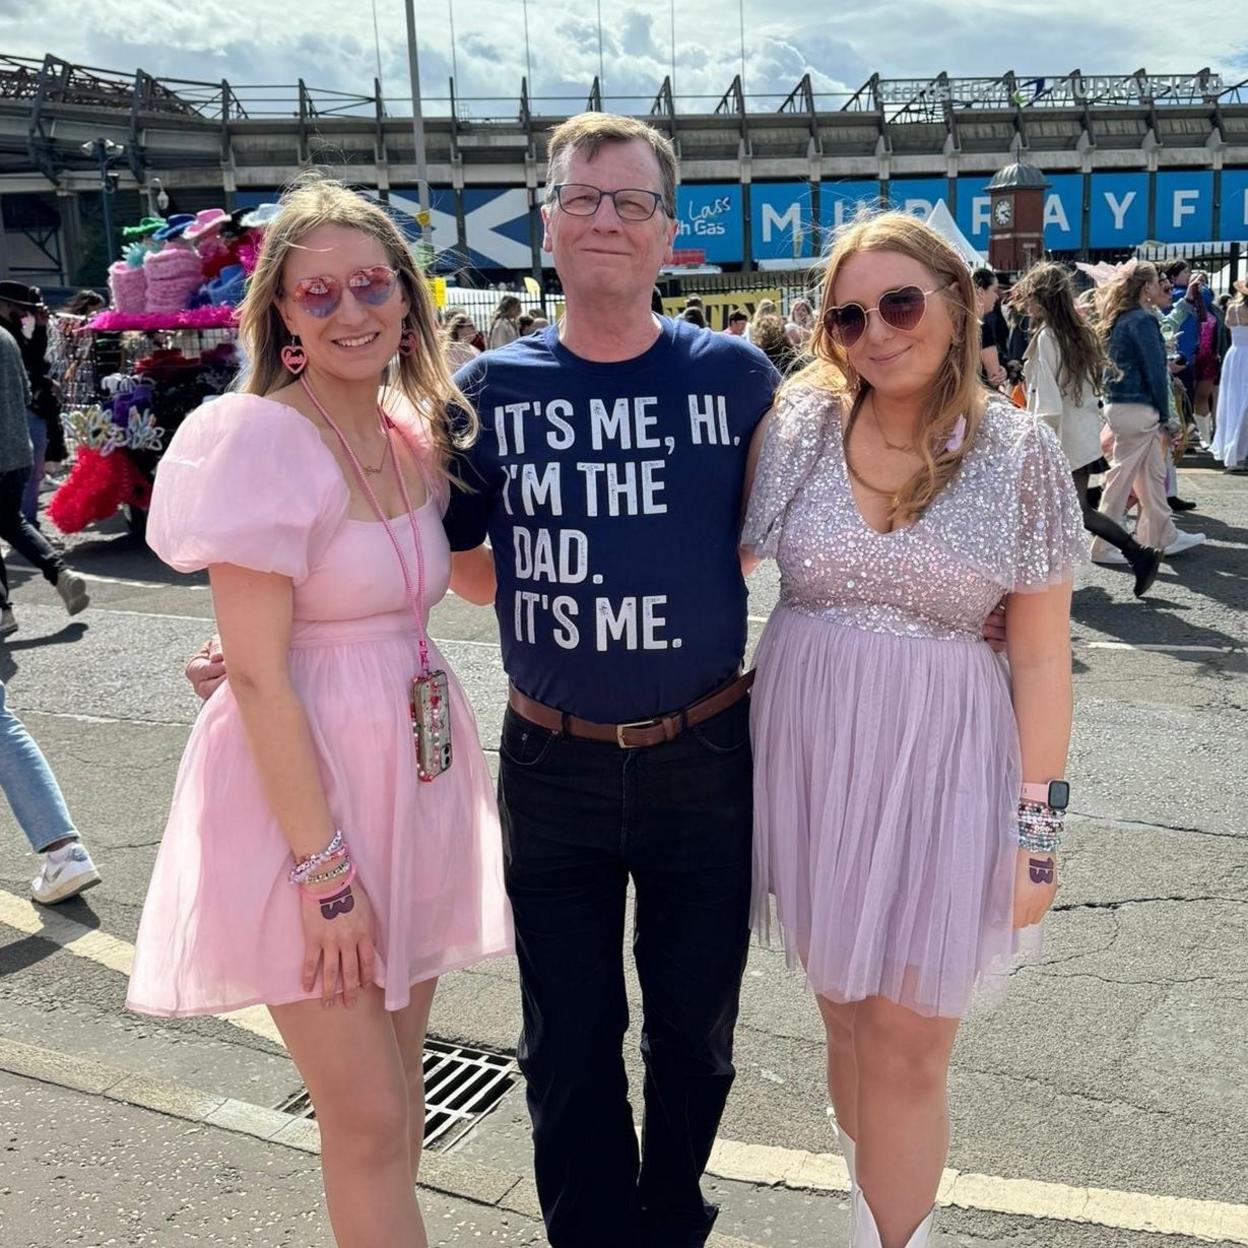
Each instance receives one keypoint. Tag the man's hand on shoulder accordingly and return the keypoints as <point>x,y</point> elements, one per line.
<point>206,668</point>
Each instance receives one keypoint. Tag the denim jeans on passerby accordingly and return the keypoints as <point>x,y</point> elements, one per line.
<point>29,784</point>
<point>580,818</point>
<point>39,445</point>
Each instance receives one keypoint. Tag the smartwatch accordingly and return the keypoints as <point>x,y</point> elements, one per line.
<point>1055,794</point>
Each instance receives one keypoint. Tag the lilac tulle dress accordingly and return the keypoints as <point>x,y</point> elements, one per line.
<point>248,481</point>
<point>886,751</point>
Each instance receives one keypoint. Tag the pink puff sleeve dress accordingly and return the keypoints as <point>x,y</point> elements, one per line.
<point>248,481</point>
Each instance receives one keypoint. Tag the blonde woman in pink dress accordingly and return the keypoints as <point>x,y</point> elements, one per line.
<point>905,820</point>
<point>312,863</point>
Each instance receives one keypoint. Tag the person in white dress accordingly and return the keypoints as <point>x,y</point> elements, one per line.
<point>1230,438</point>
<point>1062,368</point>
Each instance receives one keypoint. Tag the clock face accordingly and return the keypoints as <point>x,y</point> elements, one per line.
<point>1002,212</point>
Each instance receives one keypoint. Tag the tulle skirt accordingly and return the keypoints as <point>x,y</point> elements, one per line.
<point>886,790</point>
<point>221,927</point>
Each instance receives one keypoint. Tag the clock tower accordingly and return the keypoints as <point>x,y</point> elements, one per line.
<point>1016,239</point>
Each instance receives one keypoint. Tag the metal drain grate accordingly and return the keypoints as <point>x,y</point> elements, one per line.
<point>462,1085</point>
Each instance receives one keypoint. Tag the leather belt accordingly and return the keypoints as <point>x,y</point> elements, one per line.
<point>641,733</point>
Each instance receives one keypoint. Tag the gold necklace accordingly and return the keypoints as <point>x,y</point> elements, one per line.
<point>879,428</point>
<point>853,472</point>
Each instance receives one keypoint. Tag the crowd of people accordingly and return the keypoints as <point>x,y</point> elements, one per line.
<point>881,791</point>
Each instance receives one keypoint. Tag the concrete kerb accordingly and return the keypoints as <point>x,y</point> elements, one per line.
<point>461,1180</point>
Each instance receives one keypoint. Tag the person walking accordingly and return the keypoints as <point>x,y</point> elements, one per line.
<point>39,808</point>
<point>1137,394</point>
<point>908,789</point>
<point>16,458</point>
<point>333,844</point>
<point>1230,437</point>
<point>1064,364</point>
<point>505,323</point>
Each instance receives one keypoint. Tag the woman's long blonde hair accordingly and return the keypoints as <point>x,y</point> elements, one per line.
<point>1117,297</point>
<point>422,377</point>
<point>956,390</point>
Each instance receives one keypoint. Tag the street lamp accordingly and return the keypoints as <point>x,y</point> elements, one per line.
<point>418,134</point>
<point>104,151</point>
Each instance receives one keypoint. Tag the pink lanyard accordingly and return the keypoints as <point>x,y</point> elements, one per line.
<point>417,597</point>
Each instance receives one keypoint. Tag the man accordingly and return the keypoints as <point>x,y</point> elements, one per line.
<point>15,465</point>
<point>24,314</point>
<point>987,294</point>
<point>737,321</point>
<point>608,477</point>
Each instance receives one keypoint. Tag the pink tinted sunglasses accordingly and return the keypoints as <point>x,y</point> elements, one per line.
<point>320,296</point>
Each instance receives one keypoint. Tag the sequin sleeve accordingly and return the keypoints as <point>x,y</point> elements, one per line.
<point>791,446</point>
<point>1048,534</point>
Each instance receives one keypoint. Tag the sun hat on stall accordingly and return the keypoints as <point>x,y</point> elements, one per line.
<point>207,222</point>
<point>260,216</point>
<point>175,227</point>
<point>149,225</point>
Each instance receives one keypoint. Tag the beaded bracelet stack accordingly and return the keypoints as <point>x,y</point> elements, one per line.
<point>1039,827</point>
<point>332,865</point>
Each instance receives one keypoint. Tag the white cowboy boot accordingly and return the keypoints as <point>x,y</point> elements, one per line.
<point>865,1234</point>
<point>847,1151</point>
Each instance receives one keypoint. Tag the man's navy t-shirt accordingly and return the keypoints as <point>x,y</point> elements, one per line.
<point>611,494</point>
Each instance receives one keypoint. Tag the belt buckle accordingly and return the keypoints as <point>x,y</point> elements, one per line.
<point>621,729</point>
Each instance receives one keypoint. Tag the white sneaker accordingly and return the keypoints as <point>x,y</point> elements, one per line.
<point>1112,555</point>
<point>1185,541</point>
<point>66,873</point>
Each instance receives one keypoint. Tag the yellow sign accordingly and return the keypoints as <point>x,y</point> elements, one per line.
<point>423,218</point>
<point>531,286</point>
<point>717,307</point>
<point>437,288</point>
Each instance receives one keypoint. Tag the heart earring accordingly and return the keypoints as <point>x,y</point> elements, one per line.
<point>294,357</point>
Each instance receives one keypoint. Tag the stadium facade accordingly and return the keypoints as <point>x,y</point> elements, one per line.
<point>1130,159</point>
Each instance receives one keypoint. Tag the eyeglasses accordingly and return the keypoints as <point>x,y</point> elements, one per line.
<point>320,296</point>
<point>631,204</point>
<point>901,309</point>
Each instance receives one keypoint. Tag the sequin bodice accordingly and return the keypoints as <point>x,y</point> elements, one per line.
<point>1008,520</point>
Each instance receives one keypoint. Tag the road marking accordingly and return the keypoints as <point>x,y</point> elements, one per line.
<point>1024,1198</point>
<point>134,584</point>
<point>107,951</point>
<point>762,1163</point>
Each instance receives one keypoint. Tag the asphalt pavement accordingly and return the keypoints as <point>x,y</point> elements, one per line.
<point>1104,1104</point>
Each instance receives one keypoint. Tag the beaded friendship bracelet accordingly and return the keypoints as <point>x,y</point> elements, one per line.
<point>305,867</point>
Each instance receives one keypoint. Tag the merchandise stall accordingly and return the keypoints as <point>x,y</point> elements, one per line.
<point>167,342</point>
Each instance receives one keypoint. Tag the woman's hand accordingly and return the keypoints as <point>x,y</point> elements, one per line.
<point>338,936</point>
<point>1035,886</point>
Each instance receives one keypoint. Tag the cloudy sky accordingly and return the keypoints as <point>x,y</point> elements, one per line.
<point>330,44</point>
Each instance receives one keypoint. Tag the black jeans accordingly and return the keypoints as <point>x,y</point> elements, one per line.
<point>21,534</point>
<point>579,818</point>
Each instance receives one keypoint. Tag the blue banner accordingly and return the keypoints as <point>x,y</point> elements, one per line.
<point>973,214</point>
<point>1119,209</point>
<point>709,217</point>
<point>1233,225</point>
<point>781,220</point>
<point>1184,206</point>
<point>1063,212</point>
<point>840,201</point>
<point>917,196</point>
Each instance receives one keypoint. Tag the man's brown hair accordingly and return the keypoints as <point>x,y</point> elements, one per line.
<point>589,132</point>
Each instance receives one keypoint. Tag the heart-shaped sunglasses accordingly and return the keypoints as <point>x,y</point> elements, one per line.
<point>901,309</point>
<point>321,295</point>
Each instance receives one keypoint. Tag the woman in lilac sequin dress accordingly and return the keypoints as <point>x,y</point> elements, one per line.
<point>890,741</point>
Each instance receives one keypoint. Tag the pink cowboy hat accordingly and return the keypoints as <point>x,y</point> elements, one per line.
<point>207,222</point>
